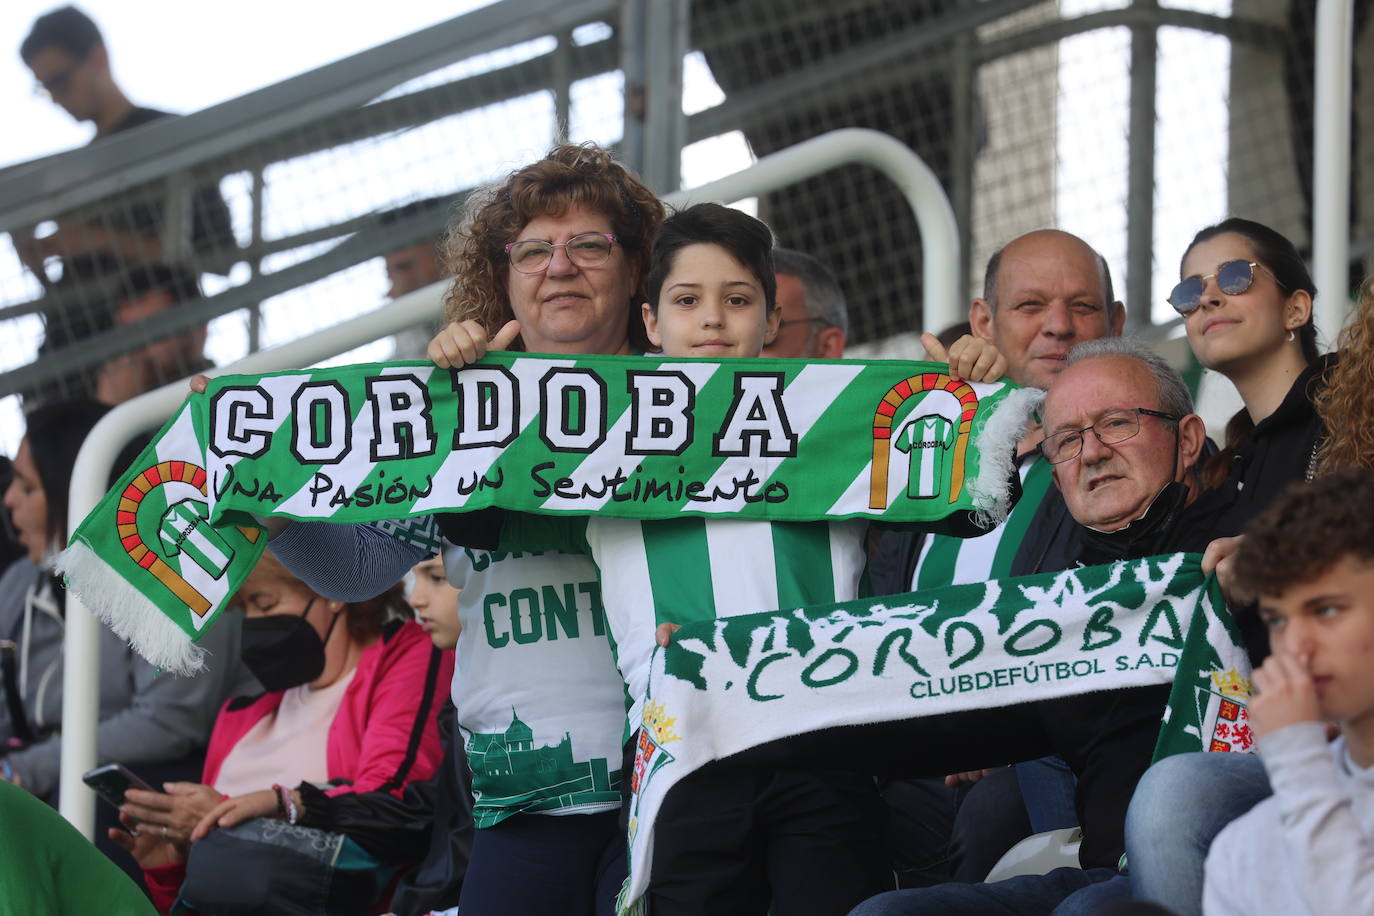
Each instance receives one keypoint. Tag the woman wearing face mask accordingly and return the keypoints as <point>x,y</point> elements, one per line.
<point>352,693</point>
<point>154,722</point>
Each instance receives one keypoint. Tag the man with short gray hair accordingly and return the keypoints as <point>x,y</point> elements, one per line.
<point>1122,440</point>
<point>815,319</point>
<point>1043,292</point>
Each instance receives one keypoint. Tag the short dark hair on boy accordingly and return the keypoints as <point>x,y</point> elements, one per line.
<point>1307,531</point>
<point>65,28</point>
<point>747,239</point>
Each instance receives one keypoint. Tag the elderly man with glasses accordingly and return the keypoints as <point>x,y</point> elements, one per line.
<point>1123,443</point>
<point>1043,292</point>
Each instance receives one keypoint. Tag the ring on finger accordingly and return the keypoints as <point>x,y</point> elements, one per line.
<point>164,831</point>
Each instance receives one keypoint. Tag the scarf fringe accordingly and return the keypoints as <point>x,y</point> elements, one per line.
<point>626,907</point>
<point>996,444</point>
<point>128,613</point>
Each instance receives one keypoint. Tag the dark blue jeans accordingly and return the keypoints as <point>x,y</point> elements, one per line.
<point>1047,789</point>
<point>1027,895</point>
<point>543,865</point>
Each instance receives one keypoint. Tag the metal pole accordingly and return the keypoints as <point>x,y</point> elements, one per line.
<point>1140,194</point>
<point>562,86</point>
<point>962,152</point>
<point>665,124</point>
<point>1331,164</point>
<point>255,263</point>
<point>633,15</point>
<point>176,225</point>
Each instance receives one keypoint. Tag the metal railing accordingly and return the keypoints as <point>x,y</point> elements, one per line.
<point>331,97</point>
<point>1331,163</point>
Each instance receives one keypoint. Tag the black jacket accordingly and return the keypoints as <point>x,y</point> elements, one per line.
<point>430,824</point>
<point>1280,451</point>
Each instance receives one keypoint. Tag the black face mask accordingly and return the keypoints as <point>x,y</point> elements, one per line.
<point>284,651</point>
<point>1143,537</point>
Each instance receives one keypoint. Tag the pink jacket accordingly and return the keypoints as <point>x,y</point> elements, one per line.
<point>383,736</point>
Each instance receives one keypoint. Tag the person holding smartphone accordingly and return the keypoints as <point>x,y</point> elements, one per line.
<point>352,693</point>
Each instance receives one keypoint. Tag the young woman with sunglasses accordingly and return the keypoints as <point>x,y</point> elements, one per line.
<point>1246,298</point>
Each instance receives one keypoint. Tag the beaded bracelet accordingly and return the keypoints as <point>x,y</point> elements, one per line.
<point>288,807</point>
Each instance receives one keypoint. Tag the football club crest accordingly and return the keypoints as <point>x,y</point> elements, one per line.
<point>658,729</point>
<point>1222,706</point>
<point>188,547</point>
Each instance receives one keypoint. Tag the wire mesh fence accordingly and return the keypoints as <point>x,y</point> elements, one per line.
<point>186,242</point>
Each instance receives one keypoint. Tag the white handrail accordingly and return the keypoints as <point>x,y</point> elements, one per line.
<point>943,303</point>
<point>81,654</point>
<point>1331,163</point>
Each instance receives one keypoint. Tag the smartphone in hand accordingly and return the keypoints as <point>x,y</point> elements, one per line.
<point>112,780</point>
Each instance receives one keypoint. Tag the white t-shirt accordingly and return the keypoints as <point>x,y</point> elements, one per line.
<point>540,703</point>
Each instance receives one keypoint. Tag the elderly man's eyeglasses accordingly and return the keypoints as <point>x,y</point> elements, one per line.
<point>1233,278</point>
<point>1112,427</point>
<point>532,256</point>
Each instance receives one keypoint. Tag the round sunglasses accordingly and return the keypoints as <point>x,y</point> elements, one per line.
<point>1233,278</point>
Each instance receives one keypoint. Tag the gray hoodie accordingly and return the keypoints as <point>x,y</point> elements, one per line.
<point>145,716</point>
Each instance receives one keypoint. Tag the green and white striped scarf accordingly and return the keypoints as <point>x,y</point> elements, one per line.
<point>728,685</point>
<point>622,436</point>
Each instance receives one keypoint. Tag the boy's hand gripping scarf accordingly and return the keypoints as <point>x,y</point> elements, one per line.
<point>625,436</point>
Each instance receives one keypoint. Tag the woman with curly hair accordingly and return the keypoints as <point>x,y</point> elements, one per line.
<point>551,260</point>
<point>505,266</point>
<point>1345,404</point>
